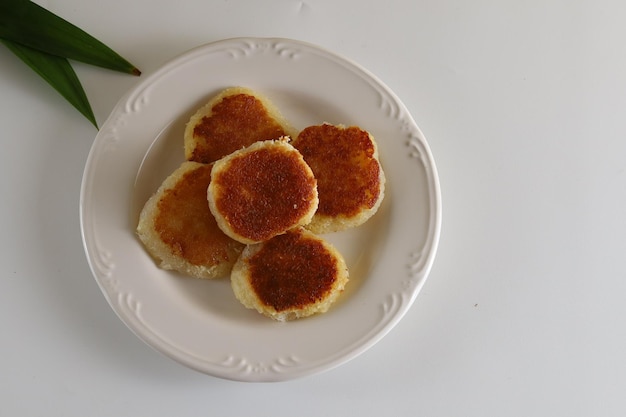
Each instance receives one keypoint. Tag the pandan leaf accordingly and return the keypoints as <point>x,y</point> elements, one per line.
<point>28,24</point>
<point>58,72</point>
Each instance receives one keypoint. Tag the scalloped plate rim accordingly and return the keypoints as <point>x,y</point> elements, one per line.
<point>415,138</point>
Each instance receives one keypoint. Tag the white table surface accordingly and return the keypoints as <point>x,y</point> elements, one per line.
<point>523,314</point>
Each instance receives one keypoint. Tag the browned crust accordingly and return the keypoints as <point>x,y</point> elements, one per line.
<point>177,227</point>
<point>293,275</point>
<point>262,191</point>
<point>349,176</point>
<point>234,119</point>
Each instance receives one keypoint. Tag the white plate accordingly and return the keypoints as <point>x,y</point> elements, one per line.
<point>200,323</point>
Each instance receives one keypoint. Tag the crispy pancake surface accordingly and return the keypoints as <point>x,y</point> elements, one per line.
<point>235,118</point>
<point>177,227</point>
<point>262,191</point>
<point>349,176</point>
<point>293,275</point>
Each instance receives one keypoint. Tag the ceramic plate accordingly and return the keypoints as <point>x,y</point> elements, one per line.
<point>200,323</point>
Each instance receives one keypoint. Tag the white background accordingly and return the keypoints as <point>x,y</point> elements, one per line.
<point>523,104</point>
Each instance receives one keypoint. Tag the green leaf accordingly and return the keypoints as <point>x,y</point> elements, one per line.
<point>58,72</point>
<point>26,23</point>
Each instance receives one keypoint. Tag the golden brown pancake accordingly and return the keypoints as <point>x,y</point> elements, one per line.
<point>261,191</point>
<point>178,229</point>
<point>290,276</point>
<point>234,119</point>
<point>350,179</point>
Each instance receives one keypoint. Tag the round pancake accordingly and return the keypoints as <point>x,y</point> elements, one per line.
<point>262,191</point>
<point>293,275</point>
<point>178,229</point>
<point>235,118</point>
<point>350,179</point>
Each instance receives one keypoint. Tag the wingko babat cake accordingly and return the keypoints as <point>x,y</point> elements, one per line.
<point>233,119</point>
<point>178,229</point>
<point>292,275</point>
<point>252,199</point>
<point>350,179</point>
<point>262,191</point>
